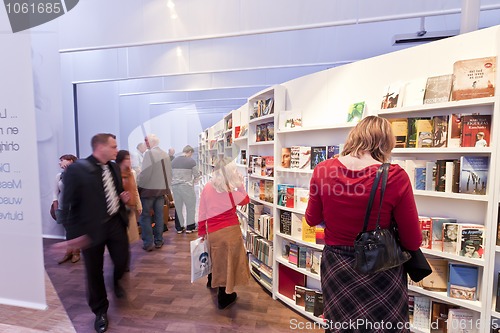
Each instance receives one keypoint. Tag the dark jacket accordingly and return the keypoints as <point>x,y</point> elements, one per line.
<point>83,206</point>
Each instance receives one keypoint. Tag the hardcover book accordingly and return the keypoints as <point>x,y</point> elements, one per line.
<point>438,89</point>
<point>471,240</point>
<point>269,191</point>
<point>390,99</point>
<point>285,157</point>
<point>414,92</point>
<point>475,131</point>
<point>441,175</point>
<point>295,157</point>
<point>474,174</point>
<point>318,155</point>
<point>421,312</point>
<point>438,279</point>
<point>355,112</point>
<point>440,131</point>
<point>474,78</point>
<point>462,282</point>
<point>424,132</point>
<point>269,166</point>
<point>400,130</point>
<point>454,130</point>
<point>318,304</point>
<point>285,222</point>
<point>308,233</point>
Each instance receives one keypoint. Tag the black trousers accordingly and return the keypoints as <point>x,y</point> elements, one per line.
<point>115,238</point>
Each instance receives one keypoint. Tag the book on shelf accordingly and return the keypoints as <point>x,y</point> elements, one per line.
<point>316,262</point>
<point>301,263</point>
<point>420,177</point>
<point>438,89</point>
<point>267,106</point>
<point>243,130</point>
<point>450,237</point>
<point>308,232</point>
<point>301,197</point>
<point>320,233</point>
<point>334,151</point>
<point>474,78</point>
<point>285,251</point>
<point>285,157</point>
<point>421,312</point>
<point>290,196</point>
<point>426,228</point>
<point>400,130</point>
<point>290,119</point>
<point>454,130</point>
<point>285,222</point>
<point>462,281</point>
<point>300,296</point>
<point>318,155</point>
<point>390,98</point>
<point>475,130</point>
<point>293,256</point>
<point>355,112</point>
<point>305,157</point>
<point>411,167</point>
<point>437,231</point>
<point>424,132</point>
<point>438,279</point>
<point>269,191</point>
<point>318,304</point>
<point>441,178</point>
<point>310,296</point>
<point>439,316</point>
<point>430,176</point>
<point>269,131</point>
<point>262,190</point>
<point>295,157</point>
<point>269,166</point>
<point>474,174</point>
<point>282,194</point>
<point>309,253</point>
<point>411,133</point>
<point>414,92</point>
<point>471,240</point>
<point>287,280</point>
<point>296,226</point>
<point>440,131</point>
<point>463,321</point>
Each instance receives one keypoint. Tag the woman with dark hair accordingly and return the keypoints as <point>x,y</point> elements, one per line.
<point>217,212</point>
<point>64,161</point>
<point>129,184</point>
<point>339,193</point>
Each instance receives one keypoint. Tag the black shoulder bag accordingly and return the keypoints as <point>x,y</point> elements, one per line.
<point>378,250</point>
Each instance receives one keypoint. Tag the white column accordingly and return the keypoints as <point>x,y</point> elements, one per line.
<point>469,20</point>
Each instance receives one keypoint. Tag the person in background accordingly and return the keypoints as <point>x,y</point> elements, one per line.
<point>218,223</point>
<point>339,192</point>
<point>64,161</point>
<point>154,183</point>
<point>171,153</point>
<point>134,204</point>
<point>138,157</point>
<point>93,212</point>
<point>184,174</point>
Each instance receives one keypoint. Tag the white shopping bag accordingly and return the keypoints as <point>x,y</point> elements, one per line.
<point>201,265</point>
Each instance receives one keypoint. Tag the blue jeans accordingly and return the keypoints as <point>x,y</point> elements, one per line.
<point>184,195</point>
<point>145,220</point>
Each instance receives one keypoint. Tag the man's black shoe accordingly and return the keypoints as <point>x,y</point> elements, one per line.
<point>101,323</point>
<point>119,291</point>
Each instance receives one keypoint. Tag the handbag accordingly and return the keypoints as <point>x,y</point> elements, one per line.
<point>378,250</point>
<point>201,264</point>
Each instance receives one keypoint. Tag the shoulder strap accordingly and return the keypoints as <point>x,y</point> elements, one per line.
<point>165,176</point>
<point>382,189</point>
<point>372,196</point>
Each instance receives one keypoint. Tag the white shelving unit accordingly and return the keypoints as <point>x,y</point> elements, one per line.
<point>324,98</point>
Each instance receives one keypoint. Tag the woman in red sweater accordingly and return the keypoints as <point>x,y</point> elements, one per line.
<point>339,193</point>
<point>217,212</point>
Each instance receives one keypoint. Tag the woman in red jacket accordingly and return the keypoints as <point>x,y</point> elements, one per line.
<point>339,193</point>
<point>217,212</point>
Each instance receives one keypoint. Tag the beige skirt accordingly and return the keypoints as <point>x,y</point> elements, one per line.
<point>132,230</point>
<point>229,258</point>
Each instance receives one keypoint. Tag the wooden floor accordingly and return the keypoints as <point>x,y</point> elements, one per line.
<point>161,298</point>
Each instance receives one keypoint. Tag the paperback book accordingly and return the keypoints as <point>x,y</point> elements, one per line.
<point>318,155</point>
<point>462,282</point>
<point>400,130</point>
<point>440,131</point>
<point>473,174</point>
<point>285,222</point>
<point>355,112</point>
<point>285,157</point>
<point>438,89</point>
<point>475,131</point>
<point>390,99</point>
<point>474,78</point>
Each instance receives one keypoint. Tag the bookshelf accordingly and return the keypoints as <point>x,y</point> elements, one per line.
<point>324,98</point>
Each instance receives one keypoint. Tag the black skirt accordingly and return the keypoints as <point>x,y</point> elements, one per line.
<point>362,303</point>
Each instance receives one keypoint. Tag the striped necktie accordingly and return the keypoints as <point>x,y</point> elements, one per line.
<point>112,200</point>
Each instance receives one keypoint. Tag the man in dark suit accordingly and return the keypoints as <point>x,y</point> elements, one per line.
<point>94,215</point>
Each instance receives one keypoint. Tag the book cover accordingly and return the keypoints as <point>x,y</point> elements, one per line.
<point>282,194</point>
<point>302,195</point>
<point>285,251</point>
<point>318,304</point>
<point>259,135</point>
<point>355,112</point>
<point>455,187</point>
<point>309,300</point>
<point>426,228</point>
<point>269,131</point>
<point>269,191</point>
<point>294,157</point>
<point>308,233</point>
<point>439,316</point>
<point>400,130</point>
<point>300,296</point>
<point>475,131</point>
<point>316,262</point>
<point>293,256</point>
<point>471,241</point>
<point>421,312</point>
<point>437,231</point>
<point>454,130</point>
<point>318,155</point>
<point>411,306</point>
<point>462,281</point>
<point>269,166</point>
<point>420,177</point>
<point>438,89</point>
<point>320,233</point>
<point>440,131</point>
<point>257,165</point>
<point>430,176</point>
<point>262,190</point>
<point>450,237</point>
<point>438,279</point>
<point>463,321</point>
<point>411,133</point>
<point>304,157</point>
<point>473,174</point>
<point>333,152</point>
<point>449,172</point>
<point>290,119</point>
<point>390,99</point>
<point>302,257</point>
<point>441,175</point>
<point>296,226</point>
<point>309,252</point>
<point>414,92</point>
<point>424,132</point>
<point>267,106</point>
<point>255,110</point>
<point>285,222</point>
<point>290,196</point>
<point>474,78</point>
<point>285,157</point>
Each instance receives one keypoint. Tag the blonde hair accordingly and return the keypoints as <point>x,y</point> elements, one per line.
<point>225,175</point>
<point>373,135</point>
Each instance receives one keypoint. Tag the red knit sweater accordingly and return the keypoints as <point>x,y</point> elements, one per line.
<point>217,210</point>
<point>339,197</point>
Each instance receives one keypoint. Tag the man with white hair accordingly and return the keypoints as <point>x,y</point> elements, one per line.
<point>153,183</point>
